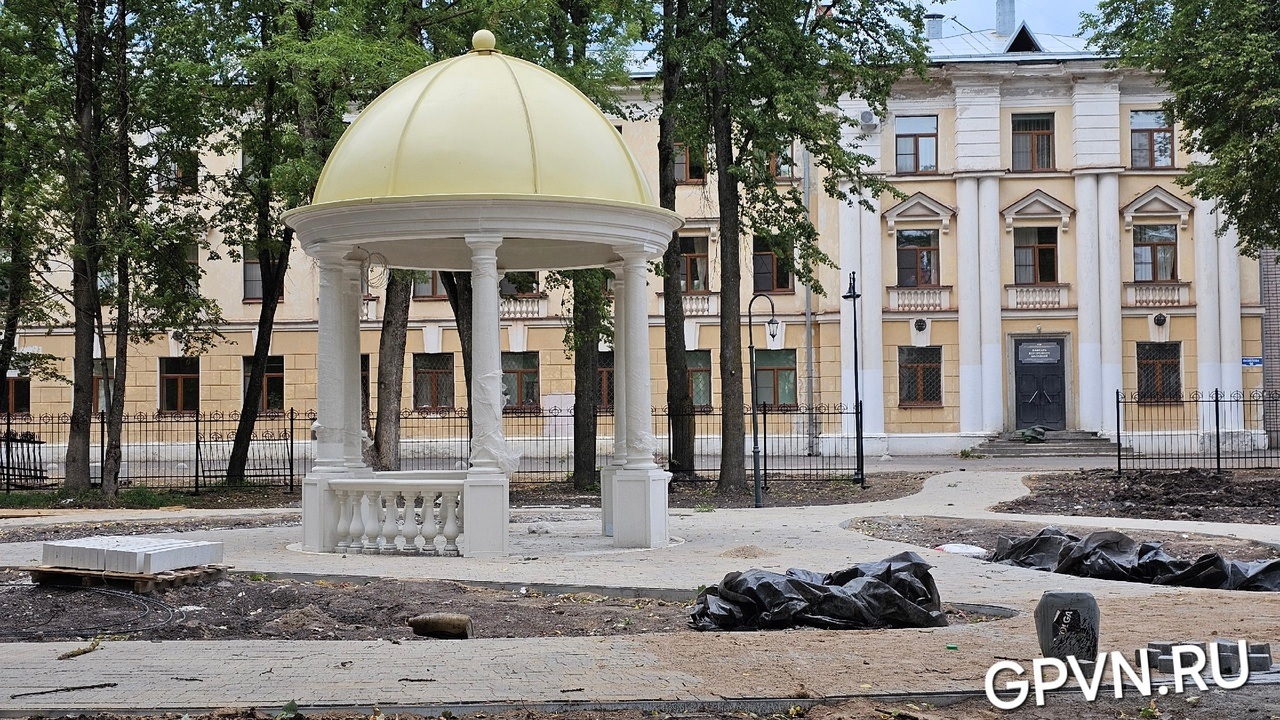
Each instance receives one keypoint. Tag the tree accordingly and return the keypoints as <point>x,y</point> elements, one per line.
<point>773,73</point>
<point>1218,60</point>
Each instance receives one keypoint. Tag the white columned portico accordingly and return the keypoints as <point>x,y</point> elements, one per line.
<point>319,511</point>
<point>640,486</point>
<point>989,232</point>
<point>1110,288</point>
<point>969,305</point>
<point>1092,402</point>
<point>608,476</point>
<point>486,511</point>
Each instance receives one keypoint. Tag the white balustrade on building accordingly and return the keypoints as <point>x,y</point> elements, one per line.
<point>521,307</point>
<point>1036,297</point>
<point>919,299</point>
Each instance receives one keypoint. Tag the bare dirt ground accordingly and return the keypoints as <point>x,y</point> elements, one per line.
<point>782,491</point>
<point>254,608</point>
<point>75,530</point>
<point>1241,496</point>
<point>932,532</point>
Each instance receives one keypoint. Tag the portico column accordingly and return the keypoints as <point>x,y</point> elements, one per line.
<point>640,487</point>
<point>319,514</point>
<point>1208,335</point>
<point>989,233</point>
<point>486,508</point>
<point>1109,292</point>
<point>969,305</point>
<point>1093,403</point>
<point>1229,324</point>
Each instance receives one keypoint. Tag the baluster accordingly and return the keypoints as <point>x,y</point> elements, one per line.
<point>407,541</point>
<point>355,542</point>
<point>387,541</point>
<point>461,498</point>
<point>449,509</point>
<point>430,526</point>
<point>344,520</point>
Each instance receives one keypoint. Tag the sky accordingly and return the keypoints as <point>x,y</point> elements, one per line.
<point>1056,17</point>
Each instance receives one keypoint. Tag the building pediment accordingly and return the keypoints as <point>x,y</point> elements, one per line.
<point>1039,205</point>
<point>920,208</point>
<point>1156,204</point>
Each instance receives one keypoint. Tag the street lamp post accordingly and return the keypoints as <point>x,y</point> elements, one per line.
<point>852,295</point>
<point>772,327</point>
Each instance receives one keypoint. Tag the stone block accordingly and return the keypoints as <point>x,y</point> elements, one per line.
<point>1259,662</point>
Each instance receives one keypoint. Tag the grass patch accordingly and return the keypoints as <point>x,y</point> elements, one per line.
<point>134,498</point>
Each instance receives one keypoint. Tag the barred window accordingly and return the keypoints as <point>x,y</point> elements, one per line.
<point>919,376</point>
<point>432,380</point>
<point>604,363</point>
<point>699,362</point>
<point>1160,371</point>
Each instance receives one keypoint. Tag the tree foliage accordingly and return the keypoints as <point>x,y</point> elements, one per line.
<point>1218,59</point>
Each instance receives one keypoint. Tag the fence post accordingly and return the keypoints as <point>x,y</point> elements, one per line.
<point>102,446</point>
<point>293,415</point>
<point>1217,430</point>
<point>8,452</point>
<point>764,440</point>
<point>197,416</point>
<point>1119,435</point>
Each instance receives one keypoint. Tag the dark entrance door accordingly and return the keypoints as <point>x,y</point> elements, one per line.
<point>1040,381</point>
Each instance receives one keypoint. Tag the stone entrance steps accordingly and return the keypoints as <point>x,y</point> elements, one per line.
<point>1059,443</point>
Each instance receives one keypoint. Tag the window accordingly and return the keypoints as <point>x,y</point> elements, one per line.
<point>771,274</point>
<point>690,170</point>
<point>182,174</point>
<point>919,376</point>
<point>1150,139</point>
<point>694,264</point>
<point>1035,255</point>
<point>1033,142</point>
<point>917,144</point>
<point>19,395</point>
<point>253,276</point>
<point>103,371</point>
<point>518,284</point>
<point>917,258</point>
<point>776,377</point>
<point>428,287</point>
<point>604,361</point>
<point>1160,371</point>
<point>520,380</point>
<point>1155,253</point>
<point>179,384</point>
<point>782,166</point>
<point>699,363</point>
<point>432,381</point>
<point>272,399</point>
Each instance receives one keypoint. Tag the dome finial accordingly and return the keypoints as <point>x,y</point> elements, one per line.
<point>483,42</point>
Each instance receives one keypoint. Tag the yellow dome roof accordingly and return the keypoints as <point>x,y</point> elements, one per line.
<point>482,124</point>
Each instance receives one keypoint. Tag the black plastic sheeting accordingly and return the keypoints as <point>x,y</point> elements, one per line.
<point>1110,555</point>
<point>896,592</point>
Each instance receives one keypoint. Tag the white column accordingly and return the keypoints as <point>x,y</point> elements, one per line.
<point>640,486</point>
<point>1090,399</point>
<point>968,304</point>
<point>1208,314</point>
<point>1230,342</point>
<point>871,323</point>
<point>990,232</point>
<point>485,507</point>
<point>352,427</point>
<point>608,478</point>
<point>319,511</point>
<point>1110,288</point>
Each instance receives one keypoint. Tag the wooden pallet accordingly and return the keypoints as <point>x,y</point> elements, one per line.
<point>137,582</point>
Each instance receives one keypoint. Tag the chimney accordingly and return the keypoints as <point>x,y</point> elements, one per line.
<point>1006,17</point>
<point>933,25</point>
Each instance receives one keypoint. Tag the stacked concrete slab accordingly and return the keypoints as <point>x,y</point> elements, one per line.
<point>1160,656</point>
<point>130,554</point>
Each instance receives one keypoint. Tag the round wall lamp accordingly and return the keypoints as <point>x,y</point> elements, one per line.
<point>921,324</point>
<point>1160,319</point>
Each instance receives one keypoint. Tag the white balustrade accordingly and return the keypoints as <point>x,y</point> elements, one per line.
<point>521,307</point>
<point>404,515</point>
<point>1145,294</point>
<point>919,299</point>
<point>1036,297</point>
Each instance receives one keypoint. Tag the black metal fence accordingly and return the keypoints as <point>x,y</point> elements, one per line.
<point>1211,431</point>
<point>186,451</point>
<point>190,451</point>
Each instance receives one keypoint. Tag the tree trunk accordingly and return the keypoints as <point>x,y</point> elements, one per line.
<point>679,394</point>
<point>395,328</point>
<point>733,471</point>
<point>85,182</point>
<point>457,286</point>
<point>586,368</point>
<point>274,266</point>
<point>111,458</point>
